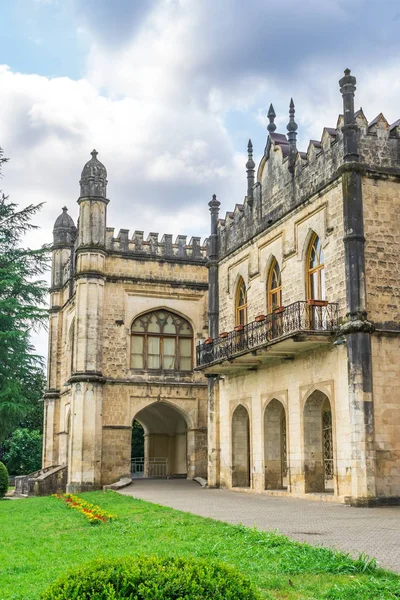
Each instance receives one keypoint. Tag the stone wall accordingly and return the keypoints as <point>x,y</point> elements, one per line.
<point>291,383</point>
<point>381,199</point>
<point>288,242</point>
<point>386,378</point>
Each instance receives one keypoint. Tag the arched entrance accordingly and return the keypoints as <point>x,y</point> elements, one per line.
<point>275,446</point>
<point>240,447</point>
<point>165,442</point>
<point>318,444</point>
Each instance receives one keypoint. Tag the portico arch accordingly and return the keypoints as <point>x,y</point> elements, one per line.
<point>318,443</point>
<point>275,446</point>
<point>166,444</point>
<point>240,447</point>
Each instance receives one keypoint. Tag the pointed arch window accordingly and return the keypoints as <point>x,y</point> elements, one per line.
<point>274,287</point>
<point>315,270</point>
<point>241,303</point>
<point>161,341</point>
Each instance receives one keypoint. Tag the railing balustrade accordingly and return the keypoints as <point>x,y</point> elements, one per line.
<point>150,467</point>
<point>294,318</point>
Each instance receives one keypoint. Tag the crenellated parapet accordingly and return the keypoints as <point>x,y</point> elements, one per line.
<point>136,246</point>
<point>288,177</point>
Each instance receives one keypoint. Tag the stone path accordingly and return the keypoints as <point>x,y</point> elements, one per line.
<point>375,531</point>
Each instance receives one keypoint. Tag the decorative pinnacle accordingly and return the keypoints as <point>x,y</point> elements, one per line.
<point>94,153</point>
<point>214,202</point>
<point>292,125</point>
<point>347,83</point>
<point>250,163</point>
<point>271,116</point>
<point>65,209</point>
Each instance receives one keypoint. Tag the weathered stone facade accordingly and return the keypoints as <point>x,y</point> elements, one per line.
<point>304,396</point>
<point>100,285</point>
<point>301,287</point>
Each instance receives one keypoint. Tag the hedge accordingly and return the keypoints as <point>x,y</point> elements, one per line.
<point>152,578</point>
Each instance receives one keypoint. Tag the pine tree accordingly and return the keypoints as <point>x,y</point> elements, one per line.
<point>22,297</point>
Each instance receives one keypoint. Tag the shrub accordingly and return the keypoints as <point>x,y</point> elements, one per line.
<point>152,578</point>
<point>3,480</point>
<point>23,451</point>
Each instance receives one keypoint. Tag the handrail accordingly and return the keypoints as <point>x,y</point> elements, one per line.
<point>300,316</point>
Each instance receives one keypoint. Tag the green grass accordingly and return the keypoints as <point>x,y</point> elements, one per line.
<point>40,538</point>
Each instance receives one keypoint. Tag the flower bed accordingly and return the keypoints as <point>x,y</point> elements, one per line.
<point>93,513</point>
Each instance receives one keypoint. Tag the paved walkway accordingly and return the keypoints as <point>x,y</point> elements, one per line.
<point>375,531</point>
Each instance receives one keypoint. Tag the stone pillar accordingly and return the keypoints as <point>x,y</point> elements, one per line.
<point>64,235</point>
<point>213,330</point>
<point>84,462</point>
<point>357,329</point>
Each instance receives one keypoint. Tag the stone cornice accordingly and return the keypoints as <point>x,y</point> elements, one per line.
<point>87,377</point>
<point>357,326</point>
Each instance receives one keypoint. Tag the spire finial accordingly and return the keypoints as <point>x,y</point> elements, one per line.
<point>292,135</point>
<point>292,125</point>
<point>65,209</point>
<point>271,116</point>
<point>214,204</point>
<point>350,143</point>
<point>250,173</point>
<point>94,153</point>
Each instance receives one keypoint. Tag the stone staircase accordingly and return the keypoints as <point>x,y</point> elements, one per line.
<point>44,482</point>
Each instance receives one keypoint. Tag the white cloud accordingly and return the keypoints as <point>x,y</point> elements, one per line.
<point>155,107</point>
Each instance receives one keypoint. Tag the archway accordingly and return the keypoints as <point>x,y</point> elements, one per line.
<point>318,444</point>
<point>275,448</point>
<point>240,447</point>
<point>165,442</point>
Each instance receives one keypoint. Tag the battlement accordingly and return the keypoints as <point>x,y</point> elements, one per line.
<point>285,181</point>
<point>151,247</point>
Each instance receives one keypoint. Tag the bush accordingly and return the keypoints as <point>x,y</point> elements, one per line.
<point>3,480</point>
<point>23,451</point>
<point>152,578</point>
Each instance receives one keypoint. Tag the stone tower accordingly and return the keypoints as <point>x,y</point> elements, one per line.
<point>126,314</point>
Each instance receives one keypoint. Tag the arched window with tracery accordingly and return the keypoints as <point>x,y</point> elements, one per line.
<point>241,303</point>
<point>274,287</point>
<point>161,341</point>
<point>315,270</point>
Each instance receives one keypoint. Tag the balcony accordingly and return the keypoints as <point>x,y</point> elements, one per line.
<point>281,335</point>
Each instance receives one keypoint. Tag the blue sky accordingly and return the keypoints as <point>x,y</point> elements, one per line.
<point>169,91</point>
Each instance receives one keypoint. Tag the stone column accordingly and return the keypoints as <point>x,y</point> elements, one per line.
<point>357,329</point>
<point>213,329</point>
<point>87,381</point>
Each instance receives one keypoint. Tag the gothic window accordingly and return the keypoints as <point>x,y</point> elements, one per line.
<point>161,341</point>
<point>274,287</point>
<point>241,303</point>
<point>315,270</point>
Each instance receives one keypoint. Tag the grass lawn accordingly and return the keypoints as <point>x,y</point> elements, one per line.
<point>40,538</point>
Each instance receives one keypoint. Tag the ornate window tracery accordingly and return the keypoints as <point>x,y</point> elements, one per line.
<point>315,270</point>
<point>161,341</point>
<point>241,303</point>
<point>274,287</point>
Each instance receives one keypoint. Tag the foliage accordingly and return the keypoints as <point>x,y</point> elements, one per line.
<point>52,539</point>
<point>22,296</point>
<point>137,440</point>
<point>22,451</point>
<point>3,480</point>
<point>152,578</point>
<point>93,513</point>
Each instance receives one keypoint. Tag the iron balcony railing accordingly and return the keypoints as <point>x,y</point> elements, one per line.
<point>298,317</point>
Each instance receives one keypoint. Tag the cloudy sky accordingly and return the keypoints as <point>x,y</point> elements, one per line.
<point>169,91</point>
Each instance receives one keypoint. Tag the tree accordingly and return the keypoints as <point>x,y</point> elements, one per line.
<point>22,297</point>
<point>23,451</point>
